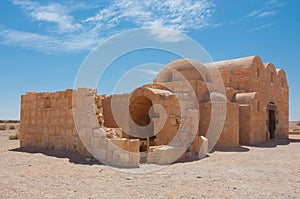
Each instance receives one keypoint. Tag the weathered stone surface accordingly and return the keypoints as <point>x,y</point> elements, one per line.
<point>256,101</point>
<point>164,154</point>
<point>203,143</point>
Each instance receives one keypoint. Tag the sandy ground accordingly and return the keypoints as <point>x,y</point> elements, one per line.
<point>264,171</point>
<point>294,127</point>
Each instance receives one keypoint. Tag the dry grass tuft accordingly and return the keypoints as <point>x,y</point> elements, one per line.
<point>15,137</point>
<point>12,128</point>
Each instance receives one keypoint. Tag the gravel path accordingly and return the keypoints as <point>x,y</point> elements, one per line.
<point>263,171</point>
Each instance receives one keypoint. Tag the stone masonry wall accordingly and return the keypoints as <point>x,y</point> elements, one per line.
<point>47,122</point>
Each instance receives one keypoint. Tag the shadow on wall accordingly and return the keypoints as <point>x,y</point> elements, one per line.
<point>73,158</point>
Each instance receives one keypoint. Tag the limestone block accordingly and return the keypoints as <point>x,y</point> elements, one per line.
<point>134,158</point>
<point>103,143</point>
<point>100,154</point>
<point>134,145</point>
<point>164,154</point>
<point>203,142</point>
<point>131,145</point>
<point>120,158</point>
<point>109,156</point>
<point>118,144</point>
<point>94,142</point>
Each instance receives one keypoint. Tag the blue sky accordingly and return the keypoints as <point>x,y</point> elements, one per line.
<point>43,43</point>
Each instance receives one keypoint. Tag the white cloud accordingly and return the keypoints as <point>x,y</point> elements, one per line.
<point>274,3</point>
<point>52,12</point>
<point>179,15</point>
<point>265,14</point>
<point>176,14</point>
<point>269,8</point>
<point>166,35</point>
<point>261,13</point>
<point>60,29</point>
<point>260,27</point>
<point>45,44</point>
<point>149,72</point>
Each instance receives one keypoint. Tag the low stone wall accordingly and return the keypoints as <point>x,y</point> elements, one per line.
<point>120,152</point>
<point>47,122</point>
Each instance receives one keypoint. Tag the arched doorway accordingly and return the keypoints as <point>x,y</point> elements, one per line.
<point>140,112</point>
<point>271,111</point>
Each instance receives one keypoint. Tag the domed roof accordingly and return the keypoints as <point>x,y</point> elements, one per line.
<point>186,68</point>
<point>182,64</point>
<point>245,62</point>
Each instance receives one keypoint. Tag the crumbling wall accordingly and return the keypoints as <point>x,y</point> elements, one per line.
<point>47,122</point>
<point>66,120</point>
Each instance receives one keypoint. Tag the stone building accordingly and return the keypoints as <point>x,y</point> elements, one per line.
<point>174,118</point>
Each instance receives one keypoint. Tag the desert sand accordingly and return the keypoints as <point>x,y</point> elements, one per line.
<point>269,170</point>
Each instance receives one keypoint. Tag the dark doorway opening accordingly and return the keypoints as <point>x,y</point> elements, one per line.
<point>143,128</point>
<point>272,123</point>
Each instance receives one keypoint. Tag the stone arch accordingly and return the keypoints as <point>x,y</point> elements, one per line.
<point>281,77</point>
<point>139,110</point>
<point>271,72</point>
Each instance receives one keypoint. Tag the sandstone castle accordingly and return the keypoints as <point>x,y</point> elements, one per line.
<point>177,114</point>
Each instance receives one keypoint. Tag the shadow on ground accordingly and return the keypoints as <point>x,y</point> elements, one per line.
<point>81,159</point>
<point>73,158</point>
<point>275,142</point>
<point>237,149</point>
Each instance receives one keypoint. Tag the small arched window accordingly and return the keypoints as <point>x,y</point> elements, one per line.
<point>258,72</point>
<point>47,102</point>
<point>282,82</point>
<point>272,77</point>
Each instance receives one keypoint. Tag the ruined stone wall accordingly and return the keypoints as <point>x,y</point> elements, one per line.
<point>47,122</point>
<point>116,111</point>
<point>64,120</point>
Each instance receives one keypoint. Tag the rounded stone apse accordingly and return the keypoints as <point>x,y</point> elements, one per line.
<point>155,124</point>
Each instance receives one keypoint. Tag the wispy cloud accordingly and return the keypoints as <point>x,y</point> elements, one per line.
<point>44,43</point>
<point>260,27</point>
<point>148,72</point>
<point>274,3</point>
<point>61,30</point>
<point>52,12</point>
<point>263,15</point>
<point>177,14</point>
<point>269,8</point>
